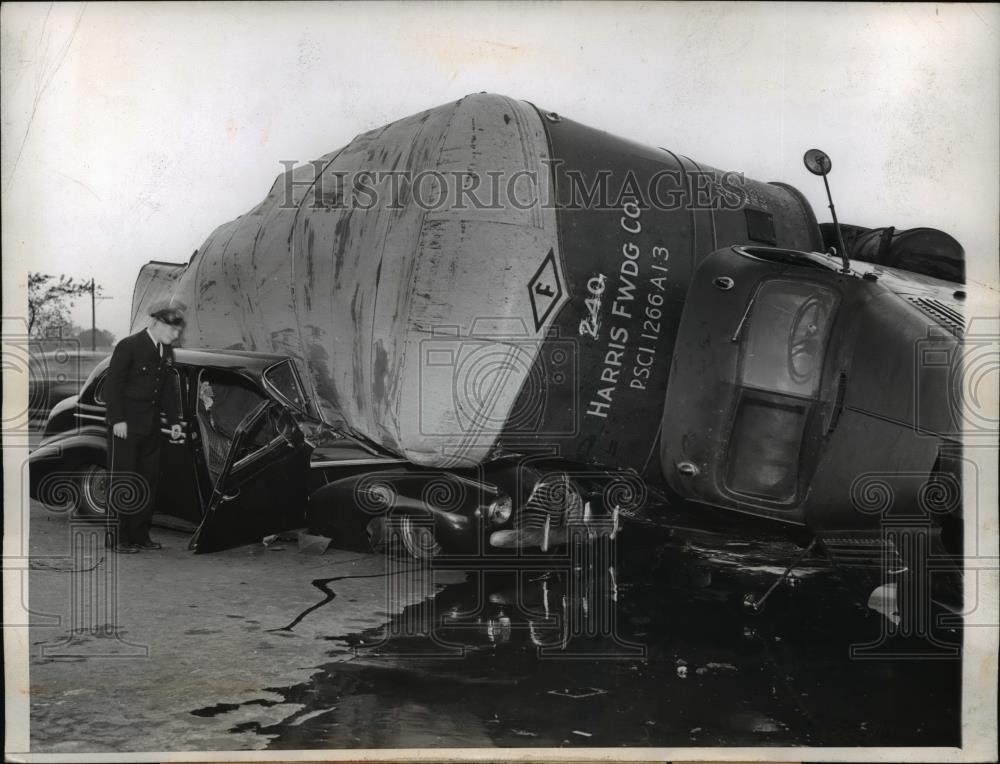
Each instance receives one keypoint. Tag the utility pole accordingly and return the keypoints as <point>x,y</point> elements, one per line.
<point>93,312</point>
<point>93,317</point>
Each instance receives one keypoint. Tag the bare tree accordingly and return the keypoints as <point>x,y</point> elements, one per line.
<point>49,300</point>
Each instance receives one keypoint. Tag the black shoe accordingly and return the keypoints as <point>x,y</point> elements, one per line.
<point>126,548</point>
<point>150,545</point>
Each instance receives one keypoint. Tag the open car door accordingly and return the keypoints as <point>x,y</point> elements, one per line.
<point>261,488</point>
<point>179,502</point>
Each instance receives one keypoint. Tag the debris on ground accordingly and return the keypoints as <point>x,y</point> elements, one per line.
<point>269,541</point>
<point>311,544</point>
<point>579,692</point>
<point>714,667</point>
<point>311,715</point>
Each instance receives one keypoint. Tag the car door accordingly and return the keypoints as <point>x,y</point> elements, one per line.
<point>261,488</point>
<point>179,492</point>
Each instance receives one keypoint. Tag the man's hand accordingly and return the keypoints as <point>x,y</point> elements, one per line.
<point>120,429</point>
<point>175,432</point>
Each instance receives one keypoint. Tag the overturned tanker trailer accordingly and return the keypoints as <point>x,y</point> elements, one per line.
<point>486,278</point>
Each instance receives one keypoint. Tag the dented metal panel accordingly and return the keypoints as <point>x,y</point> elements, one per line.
<point>445,325</point>
<point>354,294</point>
<point>155,283</point>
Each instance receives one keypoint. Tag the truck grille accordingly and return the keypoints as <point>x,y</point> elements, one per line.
<point>945,315</point>
<point>856,551</point>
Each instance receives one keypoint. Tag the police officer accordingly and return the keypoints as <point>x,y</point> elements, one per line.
<point>139,386</point>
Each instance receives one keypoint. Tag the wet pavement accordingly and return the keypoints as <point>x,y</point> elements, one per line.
<point>687,666</point>
<point>653,646</point>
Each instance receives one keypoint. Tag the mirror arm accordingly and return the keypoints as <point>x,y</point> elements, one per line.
<point>836,227</point>
<point>818,163</point>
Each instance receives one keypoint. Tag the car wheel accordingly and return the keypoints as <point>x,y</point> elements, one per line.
<point>94,490</point>
<point>376,535</point>
<point>418,539</point>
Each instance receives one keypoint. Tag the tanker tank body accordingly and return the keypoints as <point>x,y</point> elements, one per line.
<point>482,277</point>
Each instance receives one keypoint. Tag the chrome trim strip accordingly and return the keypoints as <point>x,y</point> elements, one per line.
<point>255,455</point>
<point>355,462</point>
<point>742,323</point>
<point>102,419</point>
<point>475,483</point>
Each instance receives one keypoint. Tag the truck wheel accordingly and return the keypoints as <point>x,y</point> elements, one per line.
<point>94,490</point>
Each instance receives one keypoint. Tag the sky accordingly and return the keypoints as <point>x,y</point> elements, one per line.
<point>130,131</point>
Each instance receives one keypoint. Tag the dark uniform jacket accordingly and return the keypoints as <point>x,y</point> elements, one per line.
<point>140,385</point>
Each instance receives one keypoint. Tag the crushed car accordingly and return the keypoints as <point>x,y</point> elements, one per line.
<point>254,459</point>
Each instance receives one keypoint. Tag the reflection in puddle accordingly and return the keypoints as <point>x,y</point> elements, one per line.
<point>883,600</point>
<point>750,722</point>
<point>658,651</point>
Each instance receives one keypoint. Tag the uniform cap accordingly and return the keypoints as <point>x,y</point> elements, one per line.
<point>167,313</point>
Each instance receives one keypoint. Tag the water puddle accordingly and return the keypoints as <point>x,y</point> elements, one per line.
<point>658,651</point>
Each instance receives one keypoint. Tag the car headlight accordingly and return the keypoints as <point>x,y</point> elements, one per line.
<point>500,510</point>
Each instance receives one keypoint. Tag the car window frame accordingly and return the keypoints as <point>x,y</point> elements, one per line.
<point>311,412</point>
<point>239,470</point>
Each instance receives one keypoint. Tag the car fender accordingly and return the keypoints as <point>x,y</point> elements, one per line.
<point>62,417</point>
<point>61,456</point>
<point>344,507</point>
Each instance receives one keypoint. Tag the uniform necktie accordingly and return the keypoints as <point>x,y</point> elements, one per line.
<point>159,349</point>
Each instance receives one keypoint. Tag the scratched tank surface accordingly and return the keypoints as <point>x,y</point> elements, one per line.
<point>492,661</point>
<point>439,279</point>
